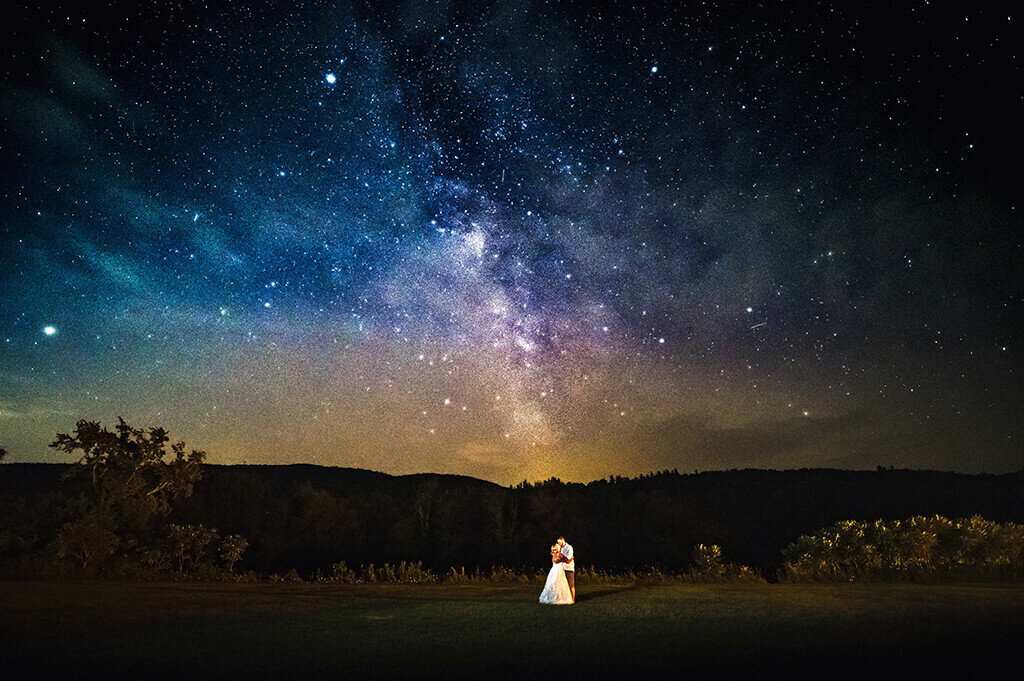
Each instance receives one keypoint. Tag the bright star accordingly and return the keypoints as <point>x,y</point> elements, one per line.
<point>331,79</point>
<point>49,330</point>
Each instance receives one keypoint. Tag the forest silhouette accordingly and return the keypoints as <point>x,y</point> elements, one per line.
<point>309,518</point>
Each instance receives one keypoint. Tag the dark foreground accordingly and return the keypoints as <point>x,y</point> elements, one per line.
<point>88,630</point>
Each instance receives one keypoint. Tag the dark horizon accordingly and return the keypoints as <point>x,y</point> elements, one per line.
<point>305,517</point>
<point>541,482</point>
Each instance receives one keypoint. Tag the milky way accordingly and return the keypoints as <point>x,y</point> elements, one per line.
<point>515,240</point>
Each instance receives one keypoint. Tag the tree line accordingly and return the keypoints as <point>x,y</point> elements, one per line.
<point>134,502</point>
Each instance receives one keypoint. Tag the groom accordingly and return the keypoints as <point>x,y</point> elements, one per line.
<point>569,567</point>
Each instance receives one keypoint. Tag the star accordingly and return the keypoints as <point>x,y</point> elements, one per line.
<point>448,224</point>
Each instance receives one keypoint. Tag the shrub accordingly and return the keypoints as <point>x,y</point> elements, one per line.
<point>707,561</point>
<point>917,548</point>
<point>342,574</point>
<point>708,566</point>
<point>87,541</point>
<point>195,551</point>
<point>231,549</point>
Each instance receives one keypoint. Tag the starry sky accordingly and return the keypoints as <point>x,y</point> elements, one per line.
<point>517,239</point>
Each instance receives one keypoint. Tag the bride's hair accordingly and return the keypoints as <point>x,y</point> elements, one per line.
<point>554,548</point>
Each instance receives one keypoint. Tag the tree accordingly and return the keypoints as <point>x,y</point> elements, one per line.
<point>503,521</point>
<point>195,549</point>
<point>130,478</point>
<point>191,546</point>
<point>231,549</point>
<point>429,498</point>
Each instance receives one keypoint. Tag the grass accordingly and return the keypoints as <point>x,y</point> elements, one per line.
<point>368,631</point>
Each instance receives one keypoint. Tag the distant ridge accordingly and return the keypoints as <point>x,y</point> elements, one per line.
<point>28,476</point>
<point>44,471</point>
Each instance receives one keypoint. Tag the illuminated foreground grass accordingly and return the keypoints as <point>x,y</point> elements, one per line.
<point>501,632</point>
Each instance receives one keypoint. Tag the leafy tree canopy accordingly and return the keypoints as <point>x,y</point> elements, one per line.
<point>132,469</point>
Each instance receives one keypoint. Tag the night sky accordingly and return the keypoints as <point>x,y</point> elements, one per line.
<point>517,239</point>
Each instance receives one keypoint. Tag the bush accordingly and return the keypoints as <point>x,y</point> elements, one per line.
<point>290,577</point>
<point>195,551</point>
<point>87,541</point>
<point>708,567</point>
<point>913,549</point>
<point>707,561</point>
<point>342,574</point>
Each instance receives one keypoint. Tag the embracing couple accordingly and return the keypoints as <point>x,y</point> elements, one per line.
<point>560,587</point>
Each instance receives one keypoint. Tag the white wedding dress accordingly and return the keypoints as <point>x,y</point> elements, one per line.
<point>556,588</point>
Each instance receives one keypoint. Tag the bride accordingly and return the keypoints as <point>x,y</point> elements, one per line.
<point>556,588</point>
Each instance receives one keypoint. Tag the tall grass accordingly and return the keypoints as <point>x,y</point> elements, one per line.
<point>708,567</point>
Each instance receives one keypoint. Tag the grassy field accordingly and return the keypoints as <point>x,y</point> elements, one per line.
<point>271,631</point>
